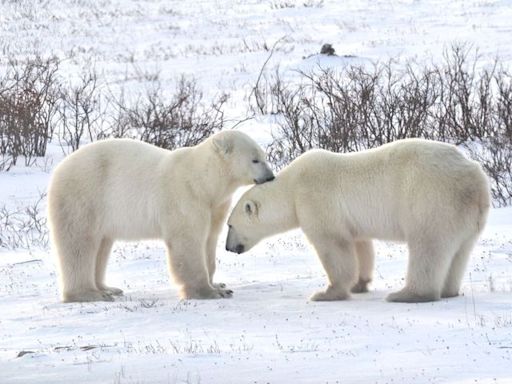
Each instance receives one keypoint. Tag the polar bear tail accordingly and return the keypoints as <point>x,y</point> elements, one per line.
<point>484,203</point>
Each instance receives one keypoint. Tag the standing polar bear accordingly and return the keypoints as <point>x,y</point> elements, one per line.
<point>422,192</point>
<point>122,189</point>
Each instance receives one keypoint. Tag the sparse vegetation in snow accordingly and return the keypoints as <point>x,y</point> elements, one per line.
<point>75,71</point>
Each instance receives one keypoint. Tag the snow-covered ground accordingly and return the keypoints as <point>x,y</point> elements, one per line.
<point>268,332</point>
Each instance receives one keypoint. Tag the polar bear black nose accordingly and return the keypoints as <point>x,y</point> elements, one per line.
<point>264,179</point>
<point>239,248</point>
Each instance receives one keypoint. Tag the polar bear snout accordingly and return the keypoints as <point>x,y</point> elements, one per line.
<point>261,181</point>
<point>233,244</point>
<point>238,248</point>
<point>268,175</point>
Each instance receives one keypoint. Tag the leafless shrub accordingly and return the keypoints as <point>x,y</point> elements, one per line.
<point>466,102</point>
<point>362,107</point>
<point>347,111</point>
<point>495,156</point>
<point>282,4</point>
<point>28,98</point>
<point>181,120</point>
<point>297,114</point>
<point>80,111</point>
<point>263,96</point>
<point>313,3</point>
<point>35,103</point>
<point>503,124</point>
<point>24,227</point>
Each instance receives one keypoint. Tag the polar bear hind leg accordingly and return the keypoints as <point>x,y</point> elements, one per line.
<point>77,259</point>
<point>101,266</point>
<point>366,260</point>
<point>430,257</point>
<point>457,268</point>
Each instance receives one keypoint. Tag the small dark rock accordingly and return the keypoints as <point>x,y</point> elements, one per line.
<point>328,50</point>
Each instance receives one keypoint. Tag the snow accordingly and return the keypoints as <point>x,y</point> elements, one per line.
<point>268,332</point>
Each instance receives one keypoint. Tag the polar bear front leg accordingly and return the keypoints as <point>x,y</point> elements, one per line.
<point>187,263</point>
<point>339,261</point>
<point>218,220</point>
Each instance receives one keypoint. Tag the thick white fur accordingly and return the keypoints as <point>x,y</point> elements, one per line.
<point>422,192</point>
<point>121,189</point>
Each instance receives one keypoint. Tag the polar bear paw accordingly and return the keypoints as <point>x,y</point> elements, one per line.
<point>330,294</point>
<point>361,286</point>
<point>112,291</point>
<point>449,293</point>
<point>405,295</point>
<point>218,285</point>
<point>87,296</point>
<point>206,293</point>
<point>226,293</point>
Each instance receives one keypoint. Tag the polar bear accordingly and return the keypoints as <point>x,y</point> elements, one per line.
<point>422,192</point>
<point>122,189</point>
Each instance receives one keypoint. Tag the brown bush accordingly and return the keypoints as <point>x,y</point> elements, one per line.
<point>184,119</point>
<point>36,106</point>
<point>24,227</point>
<point>359,107</point>
<point>28,98</point>
<point>80,111</point>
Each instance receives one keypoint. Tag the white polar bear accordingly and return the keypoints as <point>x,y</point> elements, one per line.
<point>122,189</point>
<point>422,192</point>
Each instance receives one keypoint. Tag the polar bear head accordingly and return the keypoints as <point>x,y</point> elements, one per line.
<point>243,227</point>
<point>262,211</point>
<point>245,160</point>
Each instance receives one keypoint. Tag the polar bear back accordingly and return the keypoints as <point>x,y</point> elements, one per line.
<point>385,192</point>
<point>116,178</point>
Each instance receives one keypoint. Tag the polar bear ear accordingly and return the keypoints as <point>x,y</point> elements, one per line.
<point>251,208</point>
<point>223,144</point>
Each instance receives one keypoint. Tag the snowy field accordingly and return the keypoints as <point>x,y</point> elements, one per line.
<point>268,332</point>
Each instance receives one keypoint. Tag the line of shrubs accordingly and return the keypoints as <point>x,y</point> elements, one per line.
<point>37,106</point>
<point>360,107</point>
<point>343,110</point>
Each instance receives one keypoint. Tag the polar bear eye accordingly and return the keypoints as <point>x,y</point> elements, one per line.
<point>255,161</point>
